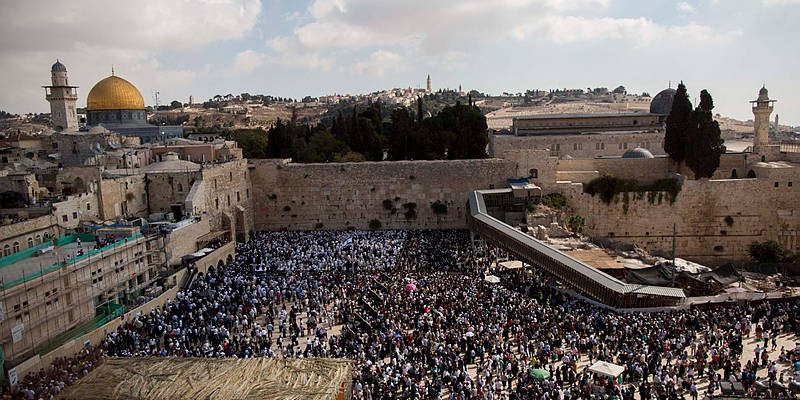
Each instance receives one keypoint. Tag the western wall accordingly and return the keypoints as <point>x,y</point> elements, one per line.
<point>349,195</point>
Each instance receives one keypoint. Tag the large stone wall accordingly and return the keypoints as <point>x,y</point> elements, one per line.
<point>350,195</point>
<point>758,211</point>
<point>124,196</point>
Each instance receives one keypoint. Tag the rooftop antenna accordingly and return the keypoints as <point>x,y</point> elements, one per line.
<point>669,86</point>
<point>112,69</point>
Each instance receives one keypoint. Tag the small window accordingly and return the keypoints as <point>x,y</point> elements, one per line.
<point>74,214</point>
<point>64,217</point>
<point>238,197</point>
<point>88,206</point>
<point>776,184</point>
<point>789,184</point>
<point>30,242</point>
<point>16,247</point>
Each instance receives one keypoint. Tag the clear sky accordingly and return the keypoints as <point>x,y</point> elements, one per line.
<point>293,48</point>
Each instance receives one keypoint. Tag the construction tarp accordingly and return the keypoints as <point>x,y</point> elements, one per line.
<point>607,369</point>
<point>663,275</point>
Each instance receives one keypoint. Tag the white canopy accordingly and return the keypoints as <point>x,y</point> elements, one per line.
<point>514,264</point>
<point>607,369</point>
<point>492,279</point>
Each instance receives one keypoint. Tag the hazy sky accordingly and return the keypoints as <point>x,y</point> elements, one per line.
<point>295,48</point>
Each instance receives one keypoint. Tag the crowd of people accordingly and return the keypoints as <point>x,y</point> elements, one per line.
<point>414,312</point>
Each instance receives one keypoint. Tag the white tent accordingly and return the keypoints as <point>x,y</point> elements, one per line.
<point>492,279</point>
<point>607,369</point>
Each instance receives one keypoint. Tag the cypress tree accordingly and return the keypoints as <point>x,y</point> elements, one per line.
<point>704,143</point>
<point>678,123</point>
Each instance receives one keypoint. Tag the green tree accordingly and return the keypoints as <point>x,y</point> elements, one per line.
<point>678,123</point>
<point>704,143</point>
<point>252,141</point>
<point>398,134</point>
<point>175,104</point>
<point>619,89</point>
<point>323,147</point>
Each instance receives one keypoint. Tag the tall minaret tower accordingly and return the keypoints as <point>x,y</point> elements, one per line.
<point>62,98</point>
<point>762,108</point>
<point>429,83</point>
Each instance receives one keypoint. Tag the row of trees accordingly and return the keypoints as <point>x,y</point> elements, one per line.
<point>456,132</point>
<point>692,136</point>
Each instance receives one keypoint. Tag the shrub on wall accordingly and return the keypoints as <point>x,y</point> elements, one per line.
<point>554,200</point>
<point>375,224</point>
<point>411,210</point>
<point>729,220</point>
<point>438,207</point>
<point>576,223</point>
<point>609,186</point>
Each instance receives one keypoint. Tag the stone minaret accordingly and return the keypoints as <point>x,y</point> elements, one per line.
<point>429,83</point>
<point>762,108</point>
<point>62,98</point>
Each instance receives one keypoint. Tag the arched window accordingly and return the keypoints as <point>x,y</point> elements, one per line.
<point>751,174</point>
<point>30,242</point>
<point>38,239</point>
<point>16,247</point>
<point>6,250</point>
<point>734,175</point>
<point>534,173</point>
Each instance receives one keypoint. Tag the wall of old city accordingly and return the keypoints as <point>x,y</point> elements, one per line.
<point>350,195</point>
<point>715,219</point>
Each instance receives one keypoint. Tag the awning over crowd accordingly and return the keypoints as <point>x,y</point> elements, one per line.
<point>607,369</point>
<point>202,378</point>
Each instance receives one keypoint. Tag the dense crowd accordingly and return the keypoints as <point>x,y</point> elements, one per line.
<point>413,310</point>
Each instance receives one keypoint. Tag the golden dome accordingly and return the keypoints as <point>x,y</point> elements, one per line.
<point>114,93</point>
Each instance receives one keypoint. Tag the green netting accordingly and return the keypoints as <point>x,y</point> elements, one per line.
<point>11,259</point>
<point>74,260</point>
<point>109,312</point>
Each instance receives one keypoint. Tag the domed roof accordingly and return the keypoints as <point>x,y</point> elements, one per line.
<point>114,93</point>
<point>58,67</point>
<point>171,163</point>
<point>662,103</point>
<point>637,152</point>
<point>763,91</point>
